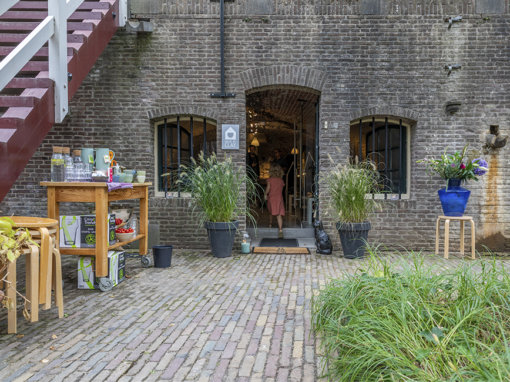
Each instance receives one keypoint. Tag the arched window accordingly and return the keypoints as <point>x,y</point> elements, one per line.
<point>385,142</point>
<point>178,139</point>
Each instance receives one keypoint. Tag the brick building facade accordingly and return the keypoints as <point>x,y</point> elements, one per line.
<point>364,57</point>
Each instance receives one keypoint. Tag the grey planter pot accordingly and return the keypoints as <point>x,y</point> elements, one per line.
<point>221,237</point>
<point>353,237</point>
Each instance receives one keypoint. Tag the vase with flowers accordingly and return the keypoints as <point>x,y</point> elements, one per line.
<point>455,169</point>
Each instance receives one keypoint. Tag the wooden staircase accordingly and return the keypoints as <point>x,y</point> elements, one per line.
<point>27,103</point>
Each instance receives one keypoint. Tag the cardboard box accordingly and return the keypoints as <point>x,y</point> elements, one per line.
<point>70,231</point>
<point>116,270</point>
<point>88,230</point>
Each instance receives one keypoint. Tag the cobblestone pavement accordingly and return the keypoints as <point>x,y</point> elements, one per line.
<point>204,319</point>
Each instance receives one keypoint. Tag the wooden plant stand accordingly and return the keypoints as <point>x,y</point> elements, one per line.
<point>97,192</point>
<point>462,220</point>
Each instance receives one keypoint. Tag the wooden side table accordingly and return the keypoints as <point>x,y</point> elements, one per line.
<point>462,220</point>
<point>97,193</point>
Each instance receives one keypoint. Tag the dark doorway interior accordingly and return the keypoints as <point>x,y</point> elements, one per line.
<point>281,127</point>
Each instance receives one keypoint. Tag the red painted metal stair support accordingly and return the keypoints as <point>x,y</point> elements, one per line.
<point>27,102</point>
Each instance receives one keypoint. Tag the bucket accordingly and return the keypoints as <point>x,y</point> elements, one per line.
<point>162,256</point>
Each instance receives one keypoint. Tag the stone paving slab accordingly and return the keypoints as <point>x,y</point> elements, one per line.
<point>204,319</point>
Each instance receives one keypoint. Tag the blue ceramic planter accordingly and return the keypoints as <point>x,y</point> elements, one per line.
<point>454,198</point>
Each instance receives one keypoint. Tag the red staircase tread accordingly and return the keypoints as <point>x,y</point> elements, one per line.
<point>45,74</point>
<point>95,15</point>
<point>84,33</point>
<point>16,113</point>
<point>74,45</point>
<point>44,5</point>
<point>43,52</point>
<point>23,83</point>
<point>19,37</point>
<point>6,134</point>
<point>40,15</point>
<point>29,26</point>
<point>34,92</point>
<point>17,101</point>
<point>35,66</point>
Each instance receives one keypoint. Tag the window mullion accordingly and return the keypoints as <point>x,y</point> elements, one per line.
<point>386,162</point>
<point>190,140</point>
<point>178,156</point>
<point>165,156</point>
<point>360,141</point>
<point>205,138</point>
<point>400,161</point>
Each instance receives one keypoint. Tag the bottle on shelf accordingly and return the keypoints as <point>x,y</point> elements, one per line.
<point>79,167</point>
<point>57,165</point>
<point>68,165</point>
<point>133,223</point>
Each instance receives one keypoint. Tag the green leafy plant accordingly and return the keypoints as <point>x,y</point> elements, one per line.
<point>216,188</point>
<point>459,165</point>
<point>350,186</point>
<point>11,243</point>
<point>413,322</point>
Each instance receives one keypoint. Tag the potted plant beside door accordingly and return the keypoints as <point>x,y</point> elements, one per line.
<point>216,187</point>
<point>455,169</point>
<point>350,186</point>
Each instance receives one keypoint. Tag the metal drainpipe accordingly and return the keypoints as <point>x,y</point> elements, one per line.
<point>222,93</point>
<point>317,132</point>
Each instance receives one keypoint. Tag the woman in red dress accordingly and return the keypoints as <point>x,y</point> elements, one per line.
<point>274,196</point>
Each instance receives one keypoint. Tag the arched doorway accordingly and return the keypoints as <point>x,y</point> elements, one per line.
<point>282,126</point>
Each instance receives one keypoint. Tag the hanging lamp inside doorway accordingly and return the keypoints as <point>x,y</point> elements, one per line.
<point>255,142</point>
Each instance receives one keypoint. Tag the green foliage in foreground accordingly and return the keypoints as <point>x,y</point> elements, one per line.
<point>416,324</point>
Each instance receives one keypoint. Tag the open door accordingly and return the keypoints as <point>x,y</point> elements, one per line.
<point>282,129</point>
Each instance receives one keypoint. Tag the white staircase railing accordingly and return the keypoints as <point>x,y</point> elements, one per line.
<point>53,29</point>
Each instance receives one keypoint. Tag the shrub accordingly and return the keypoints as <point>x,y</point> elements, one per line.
<point>386,325</point>
<point>216,187</point>
<point>350,186</point>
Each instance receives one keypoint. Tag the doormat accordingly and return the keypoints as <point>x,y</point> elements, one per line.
<point>280,246</point>
<point>267,242</point>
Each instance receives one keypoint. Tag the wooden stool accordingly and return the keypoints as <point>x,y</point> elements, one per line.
<point>43,269</point>
<point>462,219</point>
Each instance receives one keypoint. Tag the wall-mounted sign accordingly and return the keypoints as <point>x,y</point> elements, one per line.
<point>230,137</point>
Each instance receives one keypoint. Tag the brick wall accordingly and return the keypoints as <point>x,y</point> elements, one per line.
<point>363,64</point>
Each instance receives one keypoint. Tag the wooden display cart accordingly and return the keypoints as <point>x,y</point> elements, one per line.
<point>97,192</point>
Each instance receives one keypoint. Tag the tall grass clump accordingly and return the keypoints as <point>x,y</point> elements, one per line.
<point>215,187</point>
<point>349,186</point>
<point>415,324</point>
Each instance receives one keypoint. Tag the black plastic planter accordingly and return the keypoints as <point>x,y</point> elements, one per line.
<point>221,237</point>
<point>162,256</point>
<point>353,237</point>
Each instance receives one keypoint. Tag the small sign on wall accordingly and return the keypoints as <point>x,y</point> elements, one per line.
<point>230,137</point>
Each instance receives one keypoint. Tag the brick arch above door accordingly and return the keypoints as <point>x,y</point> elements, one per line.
<point>200,110</point>
<point>283,75</point>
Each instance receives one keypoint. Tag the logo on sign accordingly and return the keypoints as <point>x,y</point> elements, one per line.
<point>231,133</point>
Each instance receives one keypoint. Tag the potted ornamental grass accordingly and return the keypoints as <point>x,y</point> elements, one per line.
<point>456,168</point>
<point>216,187</point>
<point>351,201</point>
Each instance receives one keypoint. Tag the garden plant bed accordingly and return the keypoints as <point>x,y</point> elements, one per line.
<point>414,322</point>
